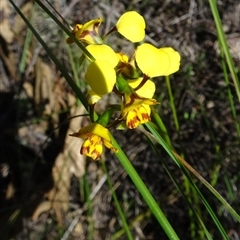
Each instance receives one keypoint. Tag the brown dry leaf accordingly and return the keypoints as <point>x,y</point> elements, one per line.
<point>9,60</point>
<point>18,24</point>
<point>28,88</point>
<point>5,29</point>
<point>234,45</point>
<point>44,83</point>
<point>72,144</point>
<point>67,163</point>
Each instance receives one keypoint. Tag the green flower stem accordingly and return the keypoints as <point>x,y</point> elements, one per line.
<point>191,206</point>
<point>117,204</point>
<point>230,95</point>
<point>190,191</point>
<point>89,207</point>
<point>161,127</point>
<point>80,45</point>
<point>153,205</point>
<point>171,99</point>
<point>184,165</point>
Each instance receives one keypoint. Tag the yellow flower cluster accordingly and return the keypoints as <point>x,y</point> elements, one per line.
<point>114,72</point>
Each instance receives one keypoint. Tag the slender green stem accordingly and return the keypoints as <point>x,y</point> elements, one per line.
<point>89,208</point>
<point>66,30</point>
<point>72,84</point>
<point>161,127</point>
<point>153,205</point>
<point>117,204</point>
<point>190,191</point>
<point>223,43</point>
<point>230,96</point>
<point>204,201</point>
<point>193,211</point>
<point>178,159</point>
<point>171,99</point>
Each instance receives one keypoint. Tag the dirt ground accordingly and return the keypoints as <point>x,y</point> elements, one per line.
<point>42,174</point>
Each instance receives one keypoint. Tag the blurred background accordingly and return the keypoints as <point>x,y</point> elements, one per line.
<point>48,190</point>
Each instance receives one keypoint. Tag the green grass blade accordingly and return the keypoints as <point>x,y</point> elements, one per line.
<point>66,30</point>
<point>147,196</point>
<point>224,45</point>
<point>70,81</point>
<point>161,127</point>
<point>230,96</point>
<point>160,140</point>
<point>171,175</point>
<point>171,101</point>
<point>89,208</point>
<point>117,204</point>
<point>177,159</point>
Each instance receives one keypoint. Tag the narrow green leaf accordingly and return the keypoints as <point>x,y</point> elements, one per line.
<point>70,81</point>
<point>147,196</point>
<point>224,45</point>
<point>117,204</point>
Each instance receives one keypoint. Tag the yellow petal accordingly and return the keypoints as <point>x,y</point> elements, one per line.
<point>138,116</point>
<point>76,29</point>
<point>136,104</point>
<point>146,91</point>
<point>122,57</point>
<point>91,150</point>
<point>92,25</point>
<point>132,26</point>
<point>103,52</point>
<point>87,32</point>
<point>93,128</point>
<point>96,135</point>
<point>93,97</point>
<point>131,120</point>
<point>109,145</point>
<point>174,60</point>
<point>101,77</point>
<point>157,62</point>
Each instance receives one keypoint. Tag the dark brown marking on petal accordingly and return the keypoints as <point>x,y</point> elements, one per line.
<point>85,33</point>
<point>132,99</point>
<point>132,122</point>
<point>84,150</point>
<point>145,116</point>
<point>95,154</point>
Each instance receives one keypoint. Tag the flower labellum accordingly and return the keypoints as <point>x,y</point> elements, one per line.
<point>136,109</point>
<point>96,136</point>
<point>87,33</point>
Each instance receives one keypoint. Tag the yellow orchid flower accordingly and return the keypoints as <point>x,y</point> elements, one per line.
<point>155,62</point>
<point>123,58</point>
<point>101,77</point>
<point>132,26</point>
<point>93,97</point>
<point>147,90</point>
<point>100,74</point>
<point>125,67</point>
<point>96,136</point>
<point>87,33</point>
<point>103,52</point>
<point>135,108</point>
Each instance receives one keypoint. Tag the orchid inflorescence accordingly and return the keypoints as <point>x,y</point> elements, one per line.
<point>130,78</point>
